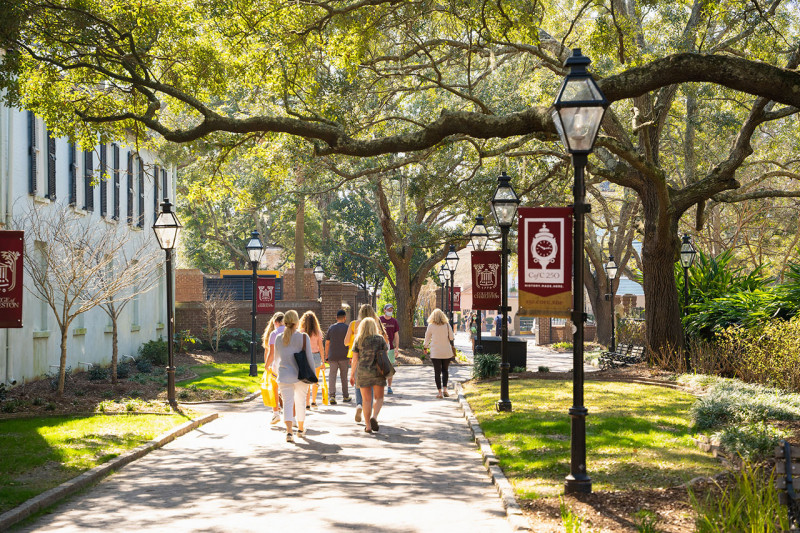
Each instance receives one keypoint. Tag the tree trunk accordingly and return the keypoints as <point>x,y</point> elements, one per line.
<point>62,365</point>
<point>299,250</point>
<point>602,316</point>
<point>114,349</point>
<point>406,303</point>
<point>662,312</point>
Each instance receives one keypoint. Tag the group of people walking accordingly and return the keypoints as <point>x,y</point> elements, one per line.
<point>359,345</point>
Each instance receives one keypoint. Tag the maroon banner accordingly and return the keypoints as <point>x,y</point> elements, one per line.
<point>265,296</point>
<point>486,280</point>
<point>11,250</point>
<point>545,261</point>
<point>456,298</point>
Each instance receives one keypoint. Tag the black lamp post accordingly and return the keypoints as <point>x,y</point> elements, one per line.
<point>254,250</point>
<point>319,275</point>
<point>479,237</point>
<point>611,274</point>
<point>688,254</point>
<point>504,207</point>
<point>442,282</point>
<point>447,285</point>
<point>167,227</point>
<point>452,263</point>
<point>577,114</point>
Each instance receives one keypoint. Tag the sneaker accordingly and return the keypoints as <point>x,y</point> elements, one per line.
<point>358,413</point>
<point>302,433</point>
<point>276,417</point>
<point>289,437</point>
<point>445,393</point>
<point>389,391</point>
<point>314,405</point>
<point>332,401</point>
<point>346,399</point>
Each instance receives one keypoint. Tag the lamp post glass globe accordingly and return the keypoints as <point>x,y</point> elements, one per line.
<point>504,202</point>
<point>688,252</point>
<point>452,259</point>
<point>479,235</point>
<point>611,268</point>
<point>579,107</point>
<point>254,248</point>
<point>167,227</point>
<point>442,278</point>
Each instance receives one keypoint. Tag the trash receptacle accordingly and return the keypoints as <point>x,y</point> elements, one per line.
<point>516,349</point>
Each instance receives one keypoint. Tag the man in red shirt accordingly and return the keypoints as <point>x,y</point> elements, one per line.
<point>392,328</point>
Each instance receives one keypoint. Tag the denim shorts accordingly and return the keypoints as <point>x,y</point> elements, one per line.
<point>317,359</point>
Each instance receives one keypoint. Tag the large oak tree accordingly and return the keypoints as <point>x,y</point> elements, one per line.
<point>366,78</point>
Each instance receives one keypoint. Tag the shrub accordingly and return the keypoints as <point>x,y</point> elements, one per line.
<point>562,345</point>
<point>544,369</point>
<point>184,339</point>
<point>752,442</point>
<point>97,373</point>
<point>144,366</point>
<point>518,369</point>
<point>734,402</point>
<point>123,370</point>
<point>485,365</point>
<point>155,351</point>
<point>235,340</point>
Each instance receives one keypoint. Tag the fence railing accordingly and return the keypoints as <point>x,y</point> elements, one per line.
<point>239,287</point>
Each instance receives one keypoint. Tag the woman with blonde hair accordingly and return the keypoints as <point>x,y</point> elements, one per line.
<point>274,328</point>
<point>292,389</point>
<point>437,341</point>
<point>310,325</point>
<point>365,311</point>
<point>368,346</point>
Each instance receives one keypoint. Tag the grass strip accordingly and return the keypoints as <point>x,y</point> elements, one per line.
<point>637,436</point>
<point>223,377</point>
<point>41,453</point>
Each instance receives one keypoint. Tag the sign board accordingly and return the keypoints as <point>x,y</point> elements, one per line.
<point>456,298</point>
<point>486,280</point>
<point>545,261</point>
<point>11,256</point>
<point>265,296</point>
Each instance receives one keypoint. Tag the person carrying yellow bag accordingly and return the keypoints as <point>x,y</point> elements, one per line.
<point>268,387</point>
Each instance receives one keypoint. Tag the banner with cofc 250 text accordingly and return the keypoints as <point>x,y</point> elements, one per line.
<point>486,280</point>
<point>11,250</point>
<point>545,261</point>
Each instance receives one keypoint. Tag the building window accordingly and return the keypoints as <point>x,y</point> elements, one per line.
<point>51,166</point>
<point>164,185</point>
<point>33,154</point>
<point>140,220</point>
<point>103,181</point>
<point>73,174</point>
<point>88,180</point>
<point>156,174</point>
<point>129,187</point>
<point>116,181</point>
<point>40,251</point>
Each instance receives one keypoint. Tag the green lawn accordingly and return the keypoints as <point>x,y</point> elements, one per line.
<point>223,377</point>
<point>638,436</point>
<point>41,453</point>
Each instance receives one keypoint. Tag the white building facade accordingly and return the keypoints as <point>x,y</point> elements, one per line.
<point>112,184</point>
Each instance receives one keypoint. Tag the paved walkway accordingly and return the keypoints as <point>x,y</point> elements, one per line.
<point>420,473</point>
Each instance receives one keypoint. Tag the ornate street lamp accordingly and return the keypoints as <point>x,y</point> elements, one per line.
<point>319,275</point>
<point>452,263</point>
<point>442,282</point>
<point>479,237</point>
<point>577,114</point>
<point>447,284</point>
<point>611,274</point>
<point>167,228</point>
<point>688,253</point>
<point>504,208</point>
<point>254,250</point>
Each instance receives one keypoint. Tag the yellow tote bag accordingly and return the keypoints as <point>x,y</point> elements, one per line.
<point>267,387</point>
<point>324,386</point>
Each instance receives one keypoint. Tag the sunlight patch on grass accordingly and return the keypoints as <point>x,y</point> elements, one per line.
<point>637,436</point>
<point>223,377</point>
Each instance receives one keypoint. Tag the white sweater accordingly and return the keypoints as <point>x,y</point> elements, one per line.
<point>437,338</point>
<point>284,356</point>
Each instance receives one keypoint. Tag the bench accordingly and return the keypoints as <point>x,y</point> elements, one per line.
<point>787,480</point>
<point>625,354</point>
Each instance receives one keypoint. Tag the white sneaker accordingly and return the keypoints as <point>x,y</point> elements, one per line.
<point>276,417</point>
<point>358,413</point>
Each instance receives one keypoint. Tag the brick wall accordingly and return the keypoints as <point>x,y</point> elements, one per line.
<point>188,285</point>
<point>309,285</point>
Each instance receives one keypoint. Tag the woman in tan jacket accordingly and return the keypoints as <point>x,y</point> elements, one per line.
<point>437,342</point>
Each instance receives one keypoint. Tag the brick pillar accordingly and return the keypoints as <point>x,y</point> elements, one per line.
<point>188,285</point>
<point>331,303</point>
<point>349,296</point>
<point>543,333</point>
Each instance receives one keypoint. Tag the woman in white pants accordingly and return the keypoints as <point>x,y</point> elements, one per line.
<point>293,391</point>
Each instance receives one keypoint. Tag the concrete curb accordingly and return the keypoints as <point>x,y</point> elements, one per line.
<point>68,488</point>
<point>513,511</point>
<point>234,400</point>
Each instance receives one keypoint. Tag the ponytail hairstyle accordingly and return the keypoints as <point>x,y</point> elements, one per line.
<point>277,318</point>
<point>366,328</point>
<point>366,311</point>
<point>291,321</point>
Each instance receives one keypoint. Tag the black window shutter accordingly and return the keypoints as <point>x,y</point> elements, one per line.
<point>130,188</point>
<point>51,166</point>
<point>116,181</point>
<point>156,173</point>
<point>164,187</point>
<point>32,153</point>
<point>140,222</point>
<point>103,180</point>
<point>73,174</point>
<point>88,174</point>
